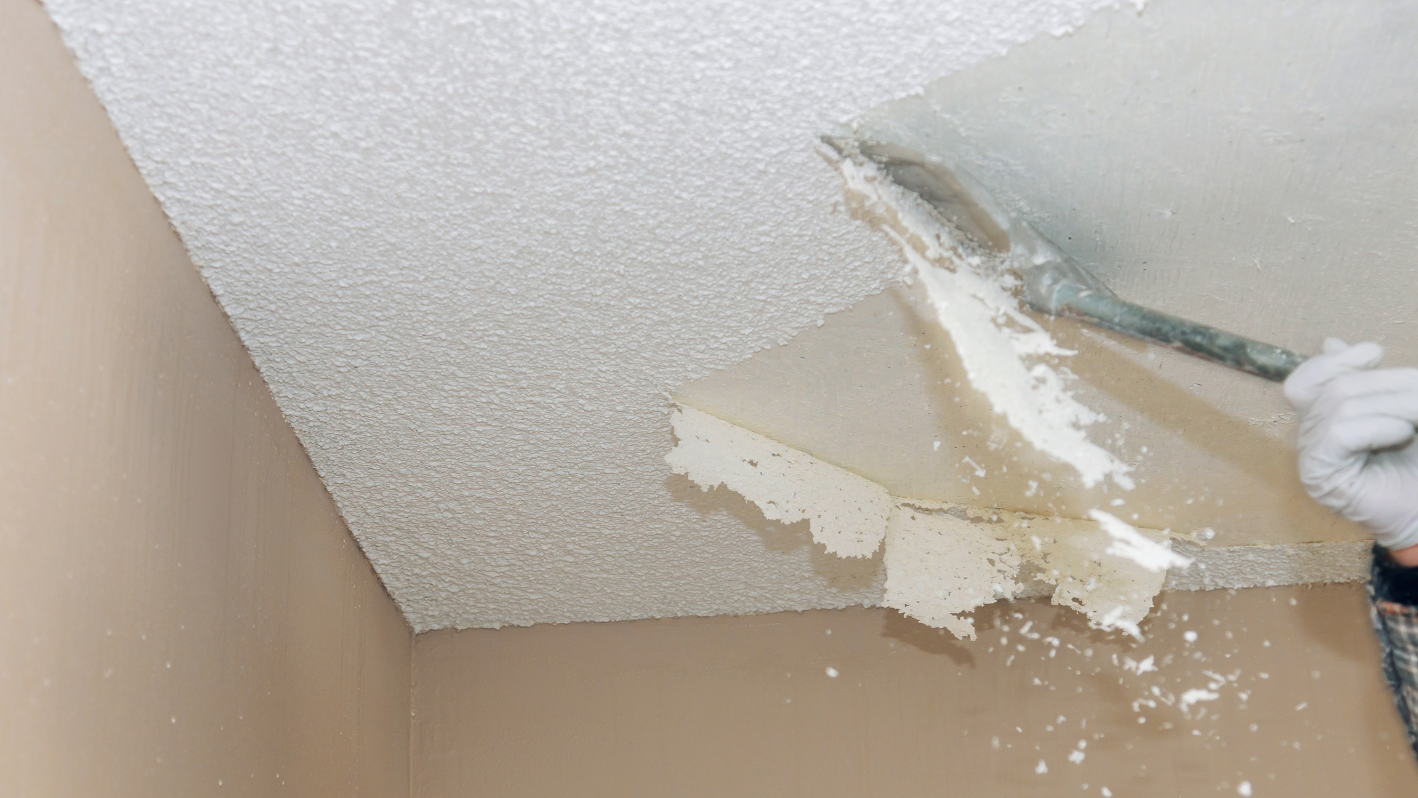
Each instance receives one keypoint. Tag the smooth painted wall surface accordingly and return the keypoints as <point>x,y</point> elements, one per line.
<point>182,611</point>
<point>746,706</point>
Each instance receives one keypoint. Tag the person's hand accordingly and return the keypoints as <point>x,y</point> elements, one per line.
<point>1357,453</point>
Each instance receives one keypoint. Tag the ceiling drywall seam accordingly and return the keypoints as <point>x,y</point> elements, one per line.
<point>470,247</point>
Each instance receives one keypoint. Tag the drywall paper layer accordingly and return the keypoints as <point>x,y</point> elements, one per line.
<point>470,246</point>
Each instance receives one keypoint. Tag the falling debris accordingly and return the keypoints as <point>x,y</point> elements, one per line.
<point>1194,696</point>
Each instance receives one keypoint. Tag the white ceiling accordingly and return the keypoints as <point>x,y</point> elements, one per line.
<point>471,246</point>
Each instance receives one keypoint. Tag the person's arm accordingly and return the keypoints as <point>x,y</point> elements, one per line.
<point>1358,457</point>
<point>1407,557</point>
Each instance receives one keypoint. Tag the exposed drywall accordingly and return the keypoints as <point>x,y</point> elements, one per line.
<point>1249,166</point>
<point>747,706</point>
<point>470,247</point>
<point>182,612</point>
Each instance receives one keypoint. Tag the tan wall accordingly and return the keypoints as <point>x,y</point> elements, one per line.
<point>182,611</point>
<point>743,706</point>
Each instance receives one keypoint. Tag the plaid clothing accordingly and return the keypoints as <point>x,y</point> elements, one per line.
<point>1393,591</point>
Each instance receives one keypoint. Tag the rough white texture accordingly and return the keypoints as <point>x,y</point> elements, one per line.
<point>1113,593</point>
<point>469,245</point>
<point>940,566</point>
<point>992,335</point>
<point>1267,566</point>
<point>846,513</point>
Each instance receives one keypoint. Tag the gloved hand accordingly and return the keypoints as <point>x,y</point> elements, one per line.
<point>1357,450</point>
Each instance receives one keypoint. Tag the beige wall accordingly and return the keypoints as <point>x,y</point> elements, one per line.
<point>182,611</point>
<point>743,706</point>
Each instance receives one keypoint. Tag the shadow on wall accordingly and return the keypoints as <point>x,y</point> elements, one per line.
<point>846,575</point>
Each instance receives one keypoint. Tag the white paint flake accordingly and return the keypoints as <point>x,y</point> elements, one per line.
<point>1195,695</point>
<point>942,561</point>
<point>1129,543</point>
<point>846,513</point>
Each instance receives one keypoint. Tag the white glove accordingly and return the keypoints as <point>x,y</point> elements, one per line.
<point>1357,455</point>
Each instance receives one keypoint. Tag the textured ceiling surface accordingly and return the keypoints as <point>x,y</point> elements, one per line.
<point>471,246</point>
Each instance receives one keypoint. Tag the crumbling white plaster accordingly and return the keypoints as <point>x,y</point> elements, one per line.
<point>470,245</point>
<point>942,561</point>
<point>940,566</point>
<point>846,513</point>
<point>1079,558</point>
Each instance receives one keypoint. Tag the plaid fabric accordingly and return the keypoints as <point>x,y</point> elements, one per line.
<point>1396,622</point>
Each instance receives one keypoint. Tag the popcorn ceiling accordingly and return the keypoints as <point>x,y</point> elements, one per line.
<point>469,246</point>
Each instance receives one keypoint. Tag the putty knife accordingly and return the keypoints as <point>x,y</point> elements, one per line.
<point>1053,282</point>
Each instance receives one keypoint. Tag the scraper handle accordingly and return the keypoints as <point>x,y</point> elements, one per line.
<point>1119,315</point>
